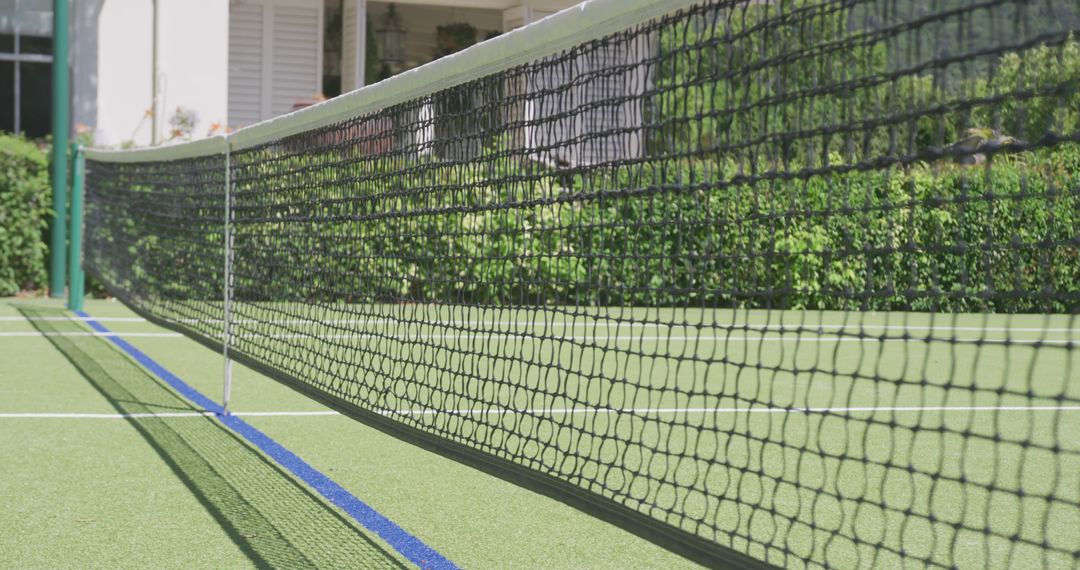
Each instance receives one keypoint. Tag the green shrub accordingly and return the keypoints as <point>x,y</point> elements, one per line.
<point>1053,73</point>
<point>25,205</point>
<point>927,237</point>
<point>924,237</point>
<point>727,83</point>
<point>746,198</point>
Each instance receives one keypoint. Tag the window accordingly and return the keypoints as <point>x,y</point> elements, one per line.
<point>25,66</point>
<point>275,57</point>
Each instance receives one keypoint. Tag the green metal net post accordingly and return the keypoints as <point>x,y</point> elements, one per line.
<point>77,286</point>
<point>60,125</point>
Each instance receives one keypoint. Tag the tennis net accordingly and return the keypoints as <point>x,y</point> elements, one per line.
<point>777,281</point>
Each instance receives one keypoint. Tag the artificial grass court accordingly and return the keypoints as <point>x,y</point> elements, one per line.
<point>477,521</point>
<point>172,491</point>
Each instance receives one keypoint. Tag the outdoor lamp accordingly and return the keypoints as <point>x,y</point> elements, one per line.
<point>391,38</point>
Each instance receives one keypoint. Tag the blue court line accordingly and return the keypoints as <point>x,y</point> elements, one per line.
<point>408,545</point>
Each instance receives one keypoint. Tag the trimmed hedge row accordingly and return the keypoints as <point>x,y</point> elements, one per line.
<point>755,86</point>
<point>764,185</point>
<point>999,237</point>
<point>25,208</point>
<point>698,230</point>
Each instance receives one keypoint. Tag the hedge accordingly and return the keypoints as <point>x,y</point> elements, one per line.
<point>721,212</point>
<point>925,236</point>
<point>25,207</point>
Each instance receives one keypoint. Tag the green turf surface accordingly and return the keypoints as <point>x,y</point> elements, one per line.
<point>875,476</point>
<point>271,519</point>
<point>861,488</point>
<point>185,492</point>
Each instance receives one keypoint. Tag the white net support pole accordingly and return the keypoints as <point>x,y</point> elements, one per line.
<point>226,335</point>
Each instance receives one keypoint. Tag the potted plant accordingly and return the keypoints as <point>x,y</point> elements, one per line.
<point>452,38</point>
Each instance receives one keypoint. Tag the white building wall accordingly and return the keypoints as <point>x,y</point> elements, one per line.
<point>193,62</point>
<point>84,63</point>
<point>123,88</point>
<point>113,47</point>
<point>518,16</point>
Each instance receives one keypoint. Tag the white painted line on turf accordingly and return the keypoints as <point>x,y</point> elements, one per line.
<point>600,322</point>
<point>757,410</point>
<point>532,337</point>
<point>561,411</point>
<point>614,322</point>
<point>466,336</point>
<point>66,415</point>
<point>139,415</point>
<point>810,328</point>
<point>857,326</point>
<point>287,414</point>
<point>76,318</point>
<point>92,333</point>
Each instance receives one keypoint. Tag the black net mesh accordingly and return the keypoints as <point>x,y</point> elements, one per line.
<point>154,237</point>
<point>792,281</point>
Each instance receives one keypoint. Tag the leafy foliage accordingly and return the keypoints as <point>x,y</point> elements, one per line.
<point>764,87</point>
<point>778,174</point>
<point>751,84</point>
<point>942,237</point>
<point>25,207</point>
<point>1054,71</point>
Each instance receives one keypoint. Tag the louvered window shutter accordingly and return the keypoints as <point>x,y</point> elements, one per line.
<point>245,64</point>
<point>275,57</point>
<point>296,62</point>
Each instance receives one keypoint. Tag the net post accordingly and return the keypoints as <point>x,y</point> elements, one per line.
<point>77,285</point>
<point>60,130</point>
<point>227,287</point>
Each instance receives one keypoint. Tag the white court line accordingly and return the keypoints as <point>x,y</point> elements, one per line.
<point>66,415</point>
<point>137,415</point>
<point>600,323</point>
<point>530,337</point>
<point>290,414</point>
<point>563,411</point>
<point>92,333</point>
<point>76,318</point>
<point>759,410</point>
<point>522,336</point>
<point>856,327</point>
<point>613,322</point>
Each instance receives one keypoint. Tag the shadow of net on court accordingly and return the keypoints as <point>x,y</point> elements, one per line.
<point>269,515</point>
